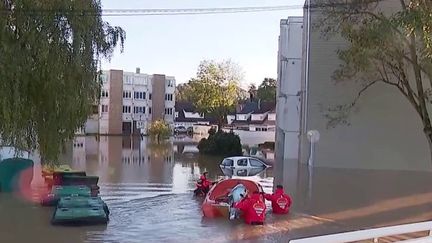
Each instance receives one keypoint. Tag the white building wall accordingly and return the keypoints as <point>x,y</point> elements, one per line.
<point>104,116</point>
<point>230,119</point>
<point>289,88</point>
<point>271,116</point>
<point>242,117</point>
<point>257,117</point>
<point>132,82</point>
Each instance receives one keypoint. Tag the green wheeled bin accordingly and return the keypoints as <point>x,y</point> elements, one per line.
<point>58,192</point>
<point>79,216</point>
<point>82,202</point>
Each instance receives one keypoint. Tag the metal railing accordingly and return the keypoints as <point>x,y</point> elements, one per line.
<point>374,234</point>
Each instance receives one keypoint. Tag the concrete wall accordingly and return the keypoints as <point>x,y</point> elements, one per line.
<point>289,89</point>
<point>158,97</point>
<point>385,132</point>
<point>115,102</point>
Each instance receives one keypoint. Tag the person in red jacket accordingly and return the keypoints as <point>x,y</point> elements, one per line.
<point>281,202</point>
<point>206,183</point>
<point>253,209</point>
<point>203,185</point>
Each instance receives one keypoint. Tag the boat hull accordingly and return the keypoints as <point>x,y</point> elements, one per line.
<point>214,206</point>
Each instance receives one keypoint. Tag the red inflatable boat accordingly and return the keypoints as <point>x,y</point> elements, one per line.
<point>216,203</point>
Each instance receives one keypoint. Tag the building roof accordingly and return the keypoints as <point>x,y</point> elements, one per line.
<point>265,106</point>
<point>248,107</point>
<point>184,106</point>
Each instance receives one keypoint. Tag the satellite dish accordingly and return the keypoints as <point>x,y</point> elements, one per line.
<point>313,136</point>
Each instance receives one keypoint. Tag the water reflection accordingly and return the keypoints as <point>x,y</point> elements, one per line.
<point>147,186</point>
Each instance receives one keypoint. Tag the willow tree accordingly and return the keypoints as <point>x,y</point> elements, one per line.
<point>215,89</point>
<point>391,46</point>
<point>49,52</point>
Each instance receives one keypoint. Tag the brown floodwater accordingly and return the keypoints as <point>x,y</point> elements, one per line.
<point>147,187</point>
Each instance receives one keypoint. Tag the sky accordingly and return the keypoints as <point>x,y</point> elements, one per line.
<point>175,45</point>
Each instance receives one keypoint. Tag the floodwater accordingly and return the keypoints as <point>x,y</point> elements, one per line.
<point>148,189</point>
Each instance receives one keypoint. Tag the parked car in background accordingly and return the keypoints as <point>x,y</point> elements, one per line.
<point>180,129</point>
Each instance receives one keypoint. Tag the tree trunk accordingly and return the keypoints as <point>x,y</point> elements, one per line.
<point>220,126</point>
<point>429,139</point>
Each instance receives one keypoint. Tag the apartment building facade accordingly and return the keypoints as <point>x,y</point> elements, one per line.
<point>289,89</point>
<point>384,132</point>
<point>130,101</point>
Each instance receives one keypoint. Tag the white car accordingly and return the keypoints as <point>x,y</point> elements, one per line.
<point>242,162</point>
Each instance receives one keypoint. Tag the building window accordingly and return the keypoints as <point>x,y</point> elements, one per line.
<point>104,108</point>
<point>103,78</point>
<point>95,109</point>
<point>139,95</point>
<point>149,110</point>
<point>170,83</point>
<point>168,111</point>
<point>128,79</point>
<point>150,97</point>
<point>126,109</point>
<point>127,94</point>
<point>104,94</point>
<point>139,109</point>
<point>169,97</point>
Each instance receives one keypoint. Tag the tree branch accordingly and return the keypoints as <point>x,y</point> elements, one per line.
<point>367,86</point>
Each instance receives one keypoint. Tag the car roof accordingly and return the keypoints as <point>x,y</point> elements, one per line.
<point>239,157</point>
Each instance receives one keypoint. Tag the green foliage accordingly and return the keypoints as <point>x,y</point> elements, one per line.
<point>49,55</point>
<point>221,143</point>
<point>215,89</point>
<point>392,49</point>
<point>267,90</point>
<point>183,92</point>
<point>159,130</point>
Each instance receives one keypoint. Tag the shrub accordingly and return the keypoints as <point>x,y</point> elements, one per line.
<point>221,143</point>
<point>159,129</point>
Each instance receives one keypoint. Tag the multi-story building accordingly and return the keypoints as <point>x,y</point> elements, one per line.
<point>130,101</point>
<point>384,132</point>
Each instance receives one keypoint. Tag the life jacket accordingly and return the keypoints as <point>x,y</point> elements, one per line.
<point>253,209</point>
<point>280,202</point>
<point>205,182</point>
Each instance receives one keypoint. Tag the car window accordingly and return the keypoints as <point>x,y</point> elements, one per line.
<point>242,162</point>
<point>242,172</point>
<point>255,163</point>
<point>228,162</point>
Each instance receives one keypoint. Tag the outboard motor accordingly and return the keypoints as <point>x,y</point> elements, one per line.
<point>236,194</point>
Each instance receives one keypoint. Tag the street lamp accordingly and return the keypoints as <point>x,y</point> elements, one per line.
<point>313,137</point>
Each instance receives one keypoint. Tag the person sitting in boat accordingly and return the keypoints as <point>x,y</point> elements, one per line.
<point>281,202</point>
<point>253,209</point>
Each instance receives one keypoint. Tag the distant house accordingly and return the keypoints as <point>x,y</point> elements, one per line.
<point>264,119</point>
<point>186,115</point>
<point>254,116</point>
